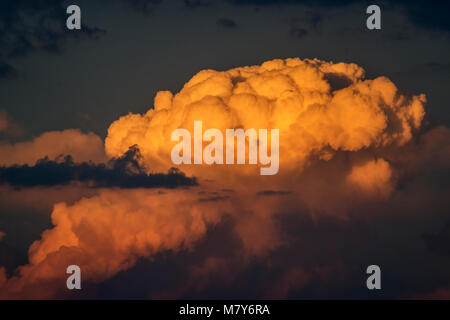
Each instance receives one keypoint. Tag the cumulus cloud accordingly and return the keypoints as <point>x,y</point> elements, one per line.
<point>321,108</point>
<point>82,147</point>
<point>343,138</point>
<point>107,233</point>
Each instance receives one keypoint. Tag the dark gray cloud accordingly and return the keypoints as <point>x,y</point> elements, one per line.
<point>321,258</point>
<point>308,22</point>
<point>214,199</point>
<point>216,269</point>
<point>27,26</point>
<point>429,15</point>
<point>273,193</point>
<point>314,19</point>
<point>423,14</point>
<point>123,172</point>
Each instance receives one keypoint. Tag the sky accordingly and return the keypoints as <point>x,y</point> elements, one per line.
<point>86,175</point>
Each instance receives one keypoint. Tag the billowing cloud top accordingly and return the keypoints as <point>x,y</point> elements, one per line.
<point>319,107</point>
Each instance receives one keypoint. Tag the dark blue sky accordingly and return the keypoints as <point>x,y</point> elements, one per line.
<point>125,54</point>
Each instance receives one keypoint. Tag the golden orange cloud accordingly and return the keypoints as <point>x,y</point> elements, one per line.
<point>338,136</point>
<point>82,147</point>
<point>107,233</point>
